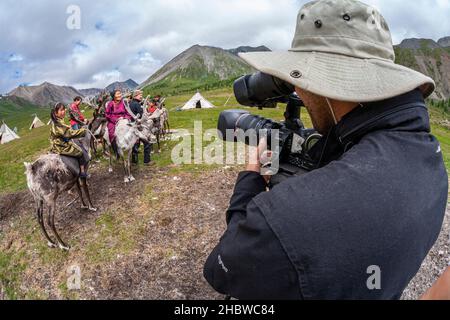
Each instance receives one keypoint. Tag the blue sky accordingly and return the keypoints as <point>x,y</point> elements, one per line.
<point>132,39</point>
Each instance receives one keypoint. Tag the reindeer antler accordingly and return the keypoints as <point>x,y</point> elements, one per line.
<point>127,107</point>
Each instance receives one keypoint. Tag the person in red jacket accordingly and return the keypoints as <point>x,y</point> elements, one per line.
<point>151,107</point>
<point>77,119</point>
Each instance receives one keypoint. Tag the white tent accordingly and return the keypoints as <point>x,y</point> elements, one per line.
<point>36,123</point>
<point>198,102</point>
<point>7,135</point>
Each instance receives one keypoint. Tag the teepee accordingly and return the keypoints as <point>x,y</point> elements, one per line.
<point>7,135</point>
<point>198,102</point>
<point>36,123</point>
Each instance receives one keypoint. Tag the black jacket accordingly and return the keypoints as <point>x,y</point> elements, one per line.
<point>136,107</point>
<point>378,199</point>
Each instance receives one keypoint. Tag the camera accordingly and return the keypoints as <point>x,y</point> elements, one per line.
<point>293,141</point>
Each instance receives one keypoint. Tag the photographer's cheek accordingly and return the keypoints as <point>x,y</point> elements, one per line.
<point>318,110</point>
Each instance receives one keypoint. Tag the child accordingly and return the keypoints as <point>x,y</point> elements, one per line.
<point>76,117</point>
<point>61,136</point>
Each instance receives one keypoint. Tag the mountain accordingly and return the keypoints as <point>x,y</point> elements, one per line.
<point>46,94</point>
<point>91,92</point>
<point>199,67</point>
<point>123,86</point>
<point>444,42</point>
<point>416,44</point>
<point>244,49</point>
<point>428,57</point>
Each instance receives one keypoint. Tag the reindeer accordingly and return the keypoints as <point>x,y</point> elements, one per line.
<point>50,176</point>
<point>157,129</point>
<point>98,126</point>
<point>165,125</point>
<point>127,135</point>
<point>160,121</point>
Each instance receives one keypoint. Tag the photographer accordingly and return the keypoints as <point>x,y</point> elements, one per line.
<point>377,198</point>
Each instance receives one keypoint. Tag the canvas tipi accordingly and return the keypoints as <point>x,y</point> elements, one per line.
<point>198,102</point>
<point>36,123</point>
<point>7,135</point>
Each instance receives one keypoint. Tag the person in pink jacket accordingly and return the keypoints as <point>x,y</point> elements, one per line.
<point>115,110</point>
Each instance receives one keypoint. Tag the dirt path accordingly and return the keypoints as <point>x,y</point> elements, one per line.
<point>149,240</point>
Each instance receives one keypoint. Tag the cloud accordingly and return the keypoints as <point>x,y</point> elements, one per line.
<point>120,40</point>
<point>15,58</point>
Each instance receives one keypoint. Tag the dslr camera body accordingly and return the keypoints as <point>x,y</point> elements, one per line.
<point>292,140</point>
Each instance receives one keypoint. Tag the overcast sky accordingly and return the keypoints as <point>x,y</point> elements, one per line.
<point>118,40</point>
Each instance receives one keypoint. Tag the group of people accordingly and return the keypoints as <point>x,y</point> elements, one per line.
<point>62,135</point>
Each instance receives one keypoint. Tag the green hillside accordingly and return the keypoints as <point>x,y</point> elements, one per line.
<point>198,68</point>
<point>19,113</point>
<point>429,58</point>
<point>176,84</point>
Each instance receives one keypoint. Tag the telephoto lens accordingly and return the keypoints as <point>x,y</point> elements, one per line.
<point>261,90</point>
<point>233,121</point>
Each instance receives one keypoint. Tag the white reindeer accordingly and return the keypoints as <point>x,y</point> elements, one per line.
<point>127,135</point>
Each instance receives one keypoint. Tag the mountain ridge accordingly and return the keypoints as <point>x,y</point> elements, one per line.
<point>127,85</point>
<point>245,49</point>
<point>430,58</point>
<point>46,94</point>
<point>198,67</point>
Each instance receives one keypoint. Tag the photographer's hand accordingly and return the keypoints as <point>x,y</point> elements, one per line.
<point>258,157</point>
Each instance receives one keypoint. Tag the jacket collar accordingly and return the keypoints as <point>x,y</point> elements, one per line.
<point>386,114</point>
<point>407,112</point>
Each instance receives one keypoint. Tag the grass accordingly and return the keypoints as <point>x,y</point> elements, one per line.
<point>20,114</point>
<point>11,267</point>
<point>13,154</point>
<point>115,237</point>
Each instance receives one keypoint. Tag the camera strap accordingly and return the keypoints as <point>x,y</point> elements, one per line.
<point>332,111</point>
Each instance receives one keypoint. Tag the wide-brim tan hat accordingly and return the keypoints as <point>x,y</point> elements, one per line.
<point>342,50</point>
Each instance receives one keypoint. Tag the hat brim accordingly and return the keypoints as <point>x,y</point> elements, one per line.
<point>341,77</point>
